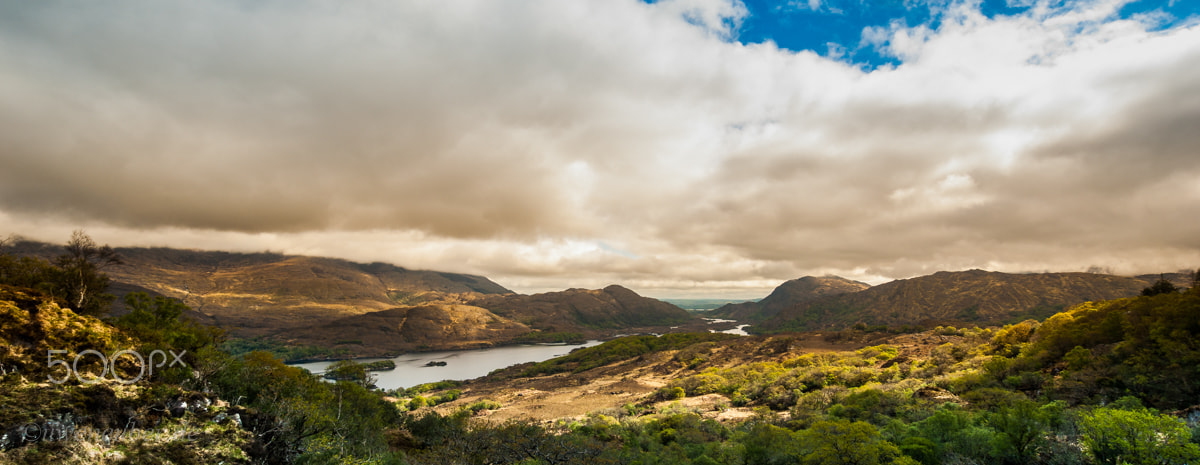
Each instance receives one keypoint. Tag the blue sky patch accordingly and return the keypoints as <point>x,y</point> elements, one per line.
<point>833,28</point>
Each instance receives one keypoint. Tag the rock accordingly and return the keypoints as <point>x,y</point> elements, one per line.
<point>936,394</point>
<point>177,408</point>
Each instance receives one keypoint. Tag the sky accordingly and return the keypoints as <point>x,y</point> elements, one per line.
<point>682,148</point>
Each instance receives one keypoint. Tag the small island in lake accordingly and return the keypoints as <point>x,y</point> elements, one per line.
<point>381,365</point>
<point>436,364</point>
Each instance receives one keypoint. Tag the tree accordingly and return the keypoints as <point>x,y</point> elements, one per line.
<point>1136,436</point>
<point>1162,286</point>
<point>82,281</point>
<point>1022,429</point>
<point>159,323</point>
<point>350,370</point>
<point>847,443</point>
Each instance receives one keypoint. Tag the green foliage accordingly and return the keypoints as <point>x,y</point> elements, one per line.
<point>303,417</point>
<point>349,370</point>
<point>1009,340</point>
<point>157,324</point>
<point>287,353</point>
<point>670,393</point>
<point>482,404</point>
<point>28,272</point>
<point>380,365</point>
<point>847,443</point>
<point>75,278</point>
<point>1022,429</point>
<point>620,349</point>
<point>426,387</point>
<point>1137,436</point>
<point>544,337</point>
<point>1162,286</point>
<point>1146,346</point>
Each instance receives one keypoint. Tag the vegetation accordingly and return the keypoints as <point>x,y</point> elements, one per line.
<point>75,278</point>
<point>620,349</point>
<point>286,352</point>
<point>550,337</point>
<point>1090,385</point>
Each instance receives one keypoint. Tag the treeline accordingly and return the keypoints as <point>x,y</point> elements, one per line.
<point>74,278</point>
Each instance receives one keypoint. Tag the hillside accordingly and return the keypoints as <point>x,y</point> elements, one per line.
<point>961,297</point>
<point>1084,387</point>
<point>257,293</point>
<point>444,326</point>
<point>584,310</point>
<point>787,295</point>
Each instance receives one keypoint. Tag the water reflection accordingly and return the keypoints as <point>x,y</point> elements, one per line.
<point>460,364</point>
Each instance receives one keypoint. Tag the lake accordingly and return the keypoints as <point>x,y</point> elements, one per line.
<point>460,364</point>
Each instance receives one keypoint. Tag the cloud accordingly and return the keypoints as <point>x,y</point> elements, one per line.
<point>573,144</point>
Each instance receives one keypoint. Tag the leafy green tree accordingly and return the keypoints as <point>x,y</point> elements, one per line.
<point>1022,429</point>
<point>847,443</point>
<point>159,322</point>
<point>1137,436</point>
<point>766,444</point>
<point>349,370</point>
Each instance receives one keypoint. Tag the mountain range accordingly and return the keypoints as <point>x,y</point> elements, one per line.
<point>973,297</point>
<point>383,308</point>
<point>323,301</point>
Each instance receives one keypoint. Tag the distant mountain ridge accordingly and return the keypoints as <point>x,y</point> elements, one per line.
<point>486,320</point>
<point>613,307</point>
<point>403,329</point>
<point>789,294</point>
<point>258,293</point>
<point>325,301</point>
<point>945,297</point>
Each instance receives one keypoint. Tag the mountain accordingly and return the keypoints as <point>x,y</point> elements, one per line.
<point>257,293</point>
<point>584,310</point>
<point>961,297</point>
<point>442,326</point>
<point>486,320</point>
<point>326,302</point>
<point>787,295</point>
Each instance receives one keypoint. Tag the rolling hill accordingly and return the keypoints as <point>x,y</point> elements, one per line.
<point>257,293</point>
<point>584,310</point>
<point>323,301</point>
<point>960,297</point>
<point>787,295</point>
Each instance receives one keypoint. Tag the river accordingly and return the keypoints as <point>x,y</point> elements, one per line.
<point>460,364</point>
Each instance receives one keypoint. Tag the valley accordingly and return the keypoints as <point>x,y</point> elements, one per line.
<point>951,368</point>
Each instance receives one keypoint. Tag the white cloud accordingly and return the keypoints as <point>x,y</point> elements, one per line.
<point>513,139</point>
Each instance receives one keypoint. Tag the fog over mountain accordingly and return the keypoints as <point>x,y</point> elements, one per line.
<point>550,145</point>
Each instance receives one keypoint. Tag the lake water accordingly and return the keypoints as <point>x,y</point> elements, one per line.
<point>739,330</point>
<point>460,364</point>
